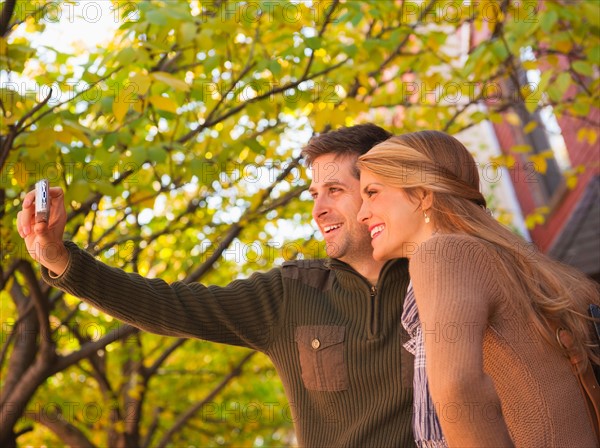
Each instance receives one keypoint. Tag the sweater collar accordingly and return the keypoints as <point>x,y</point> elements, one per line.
<point>393,271</point>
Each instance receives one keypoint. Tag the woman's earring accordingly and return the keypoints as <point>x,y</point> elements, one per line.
<point>426,217</point>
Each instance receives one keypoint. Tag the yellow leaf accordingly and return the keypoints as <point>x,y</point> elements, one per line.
<point>564,46</point>
<point>530,222</point>
<point>78,135</point>
<point>478,24</point>
<point>496,118</point>
<point>531,103</point>
<point>120,108</point>
<point>12,119</point>
<point>536,217</point>
<point>553,60</point>
<point>30,25</point>
<point>592,136</point>
<point>119,427</point>
<point>571,181</point>
<point>138,106</point>
<point>244,154</point>
<point>530,127</point>
<point>355,106</point>
<point>171,81</point>
<point>41,140</point>
<point>163,103</point>
<point>64,136</point>
<point>143,198</point>
<point>321,53</point>
<point>539,163</point>
<point>513,119</point>
<point>141,82</point>
<point>504,160</point>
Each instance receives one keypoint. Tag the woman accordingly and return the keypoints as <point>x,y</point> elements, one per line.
<point>488,303</point>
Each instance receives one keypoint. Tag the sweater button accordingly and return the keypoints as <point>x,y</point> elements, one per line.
<point>315,343</point>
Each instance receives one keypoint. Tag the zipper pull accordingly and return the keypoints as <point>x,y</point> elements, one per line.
<point>373,291</point>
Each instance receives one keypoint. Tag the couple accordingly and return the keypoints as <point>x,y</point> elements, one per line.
<point>334,328</point>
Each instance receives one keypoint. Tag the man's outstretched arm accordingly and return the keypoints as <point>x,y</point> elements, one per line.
<point>246,312</point>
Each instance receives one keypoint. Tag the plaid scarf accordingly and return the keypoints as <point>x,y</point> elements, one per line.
<point>426,426</point>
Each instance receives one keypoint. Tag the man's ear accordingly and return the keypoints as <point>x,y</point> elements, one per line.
<point>426,197</point>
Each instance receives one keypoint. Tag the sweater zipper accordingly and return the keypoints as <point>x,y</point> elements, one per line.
<point>374,323</point>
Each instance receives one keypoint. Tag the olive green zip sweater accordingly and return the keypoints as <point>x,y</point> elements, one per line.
<point>335,341</point>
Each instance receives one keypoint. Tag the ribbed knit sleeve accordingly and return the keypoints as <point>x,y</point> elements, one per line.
<point>456,291</point>
<point>244,313</point>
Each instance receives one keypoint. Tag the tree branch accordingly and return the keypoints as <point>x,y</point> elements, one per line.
<point>191,134</point>
<point>67,432</point>
<point>7,12</point>
<point>150,371</point>
<point>87,349</point>
<point>25,331</point>
<point>183,418</point>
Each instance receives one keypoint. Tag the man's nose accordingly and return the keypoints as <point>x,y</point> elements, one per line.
<point>320,207</point>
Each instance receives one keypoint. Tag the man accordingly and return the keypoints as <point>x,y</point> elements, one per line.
<point>331,327</point>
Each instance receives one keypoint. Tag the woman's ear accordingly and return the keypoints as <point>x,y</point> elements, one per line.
<point>426,197</point>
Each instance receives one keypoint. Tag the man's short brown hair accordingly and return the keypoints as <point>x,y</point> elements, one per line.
<point>351,141</point>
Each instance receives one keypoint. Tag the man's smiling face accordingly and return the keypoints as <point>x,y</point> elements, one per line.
<point>337,200</point>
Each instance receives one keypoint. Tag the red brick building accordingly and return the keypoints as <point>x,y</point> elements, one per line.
<point>571,230</point>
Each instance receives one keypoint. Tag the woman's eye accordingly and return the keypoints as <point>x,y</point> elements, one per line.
<point>370,193</point>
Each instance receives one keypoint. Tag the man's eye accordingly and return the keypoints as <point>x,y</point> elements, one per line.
<point>334,189</point>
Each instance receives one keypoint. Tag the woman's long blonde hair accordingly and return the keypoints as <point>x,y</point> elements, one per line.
<point>546,290</point>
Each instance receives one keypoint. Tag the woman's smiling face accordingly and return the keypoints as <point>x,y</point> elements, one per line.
<point>395,221</point>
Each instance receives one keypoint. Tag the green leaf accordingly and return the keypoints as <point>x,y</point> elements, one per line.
<point>590,12</point>
<point>563,81</point>
<point>126,56</point>
<point>350,50</point>
<point>583,68</point>
<point>548,20</point>
<point>275,67</point>
<point>593,54</point>
<point>157,17</point>
<point>106,188</point>
<point>138,155</point>
<point>187,32</point>
<point>255,146</point>
<point>157,153</point>
<point>79,191</point>
<point>313,43</point>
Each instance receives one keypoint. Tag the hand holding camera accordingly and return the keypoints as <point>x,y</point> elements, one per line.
<point>41,223</point>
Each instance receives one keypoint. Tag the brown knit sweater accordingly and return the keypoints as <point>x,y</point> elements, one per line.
<point>335,342</point>
<point>495,381</point>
